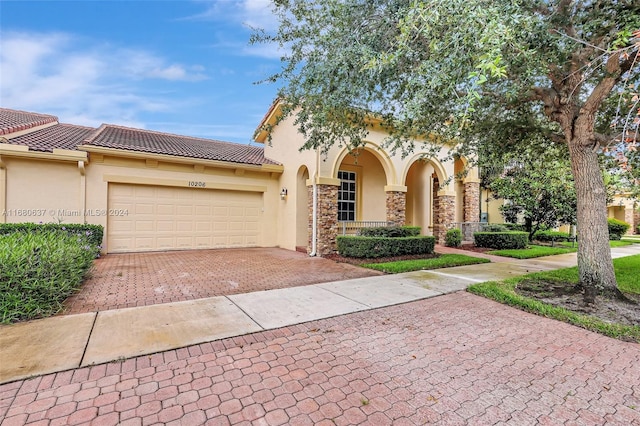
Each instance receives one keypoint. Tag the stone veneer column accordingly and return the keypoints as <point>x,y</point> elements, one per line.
<point>636,219</point>
<point>327,231</point>
<point>471,202</point>
<point>444,215</point>
<point>396,207</point>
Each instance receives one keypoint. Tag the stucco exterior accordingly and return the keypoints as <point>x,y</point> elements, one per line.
<point>40,182</point>
<point>379,174</point>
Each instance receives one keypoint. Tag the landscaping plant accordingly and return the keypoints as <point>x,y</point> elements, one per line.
<point>453,238</point>
<point>39,270</point>
<point>617,228</point>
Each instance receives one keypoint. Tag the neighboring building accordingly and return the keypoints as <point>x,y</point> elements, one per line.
<point>158,191</point>
<point>626,209</point>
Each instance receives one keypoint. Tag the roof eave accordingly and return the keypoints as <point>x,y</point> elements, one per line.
<point>265,168</point>
<point>23,151</point>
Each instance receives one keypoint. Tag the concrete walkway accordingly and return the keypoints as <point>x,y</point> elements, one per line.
<point>67,342</point>
<point>456,359</point>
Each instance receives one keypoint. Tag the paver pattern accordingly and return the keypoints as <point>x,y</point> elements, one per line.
<point>454,359</point>
<point>141,279</point>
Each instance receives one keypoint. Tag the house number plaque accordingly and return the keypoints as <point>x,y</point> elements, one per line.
<point>197,184</point>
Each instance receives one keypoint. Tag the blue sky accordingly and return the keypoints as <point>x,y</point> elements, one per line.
<point>182,67</point>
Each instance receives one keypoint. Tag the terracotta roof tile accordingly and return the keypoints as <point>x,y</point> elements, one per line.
<point>61,136</point>
<point>110,136</point>
<point>14,121</point>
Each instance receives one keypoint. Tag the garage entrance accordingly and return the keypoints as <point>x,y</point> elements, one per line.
<point>153,218</point>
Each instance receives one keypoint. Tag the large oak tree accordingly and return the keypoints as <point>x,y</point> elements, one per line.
<point>477,72</point>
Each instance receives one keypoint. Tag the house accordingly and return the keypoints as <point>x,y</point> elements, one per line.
<point>623,207</point>
<point>158,191</point>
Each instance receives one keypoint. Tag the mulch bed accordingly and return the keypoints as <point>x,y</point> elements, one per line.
<point>359,261</point>
<point>471,247</point>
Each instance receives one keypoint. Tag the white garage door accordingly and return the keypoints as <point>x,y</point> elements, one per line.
<point>146,218</point>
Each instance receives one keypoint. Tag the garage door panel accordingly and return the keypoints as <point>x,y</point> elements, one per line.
<point>166,209</point>
<point>184,210</point>
<point>165,218</point>
<point>143,209</point>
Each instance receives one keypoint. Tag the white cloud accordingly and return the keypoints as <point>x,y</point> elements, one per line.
<point>251,14</point>
<point>83,82</point>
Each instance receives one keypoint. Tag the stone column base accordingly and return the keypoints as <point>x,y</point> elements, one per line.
<point>472,202</point>
<point>444,216</point>
<point>327,226</point>
<point>396,207</point>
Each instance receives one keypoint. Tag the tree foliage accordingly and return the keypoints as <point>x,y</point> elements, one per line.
<point>476,73</point>
<point>539,190</point>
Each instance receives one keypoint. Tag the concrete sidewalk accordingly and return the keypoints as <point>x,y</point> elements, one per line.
<point>67,342</point>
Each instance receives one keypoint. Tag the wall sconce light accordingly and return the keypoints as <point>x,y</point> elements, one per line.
<point>283,193</point>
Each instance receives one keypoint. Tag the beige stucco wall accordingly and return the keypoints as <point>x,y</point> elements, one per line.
<point>371,180</point>
<point>492,207</point>
<point>420,196</point>
<point>103,169</point>
<point>42,191</point>
<point>380,171</point>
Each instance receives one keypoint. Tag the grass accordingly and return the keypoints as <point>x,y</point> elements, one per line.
<point>539,251</point>
<point>442,261</point>
<point>533,251</point>
<point>626,272</point>
<point>620,243</point>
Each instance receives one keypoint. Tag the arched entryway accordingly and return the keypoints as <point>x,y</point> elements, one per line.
<point>423,180</point>
<point>361,195</point>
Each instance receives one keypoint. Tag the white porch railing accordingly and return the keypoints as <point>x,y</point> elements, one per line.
<point>352,227</point>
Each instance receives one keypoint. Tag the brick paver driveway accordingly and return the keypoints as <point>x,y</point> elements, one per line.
<point>454,359</point>
<point>140,279</point>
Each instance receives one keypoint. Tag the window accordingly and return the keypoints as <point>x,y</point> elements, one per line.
<point>347,196</point>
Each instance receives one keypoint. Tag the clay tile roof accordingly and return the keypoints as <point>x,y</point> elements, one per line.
<point>125,138</point>
<point>14,121</point>
<point>61,136</point>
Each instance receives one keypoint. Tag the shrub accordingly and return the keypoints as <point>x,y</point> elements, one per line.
<point>390,231</point>
<point>617,228</point>
<point>501,240</point>
<point>548,236</point>
<point>453,238</point>
<point>372,247</point>
<point>92,233</point>
<point>514,227</point>
<point>495,227</point>
<point>39,271</point>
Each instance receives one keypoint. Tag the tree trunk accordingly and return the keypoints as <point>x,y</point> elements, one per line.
<point>595,264</point>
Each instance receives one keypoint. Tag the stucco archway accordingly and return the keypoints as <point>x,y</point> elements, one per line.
<point>364,176</point>
<point>423,178</point>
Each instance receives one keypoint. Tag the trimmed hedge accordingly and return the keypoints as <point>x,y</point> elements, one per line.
<point>453,238</point>
<point>390,231</point>
<point>617,228</point>
<point>548,236</point>
<point>92,233</point>
<point>514,227</point>
<point>373,247</point>
<point>495,227</point>
<point>501,240</point>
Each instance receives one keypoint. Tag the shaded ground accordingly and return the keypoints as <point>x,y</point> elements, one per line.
<point>570,297</point>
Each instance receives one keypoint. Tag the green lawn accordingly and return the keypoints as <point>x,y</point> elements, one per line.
<point>533,251</point>
<point>442,261</point>
<point>539,251</point>
<point>626,273</point>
